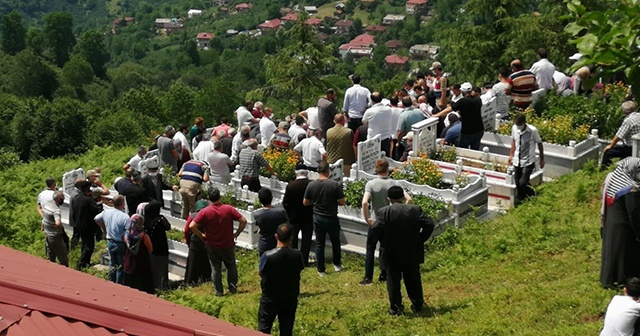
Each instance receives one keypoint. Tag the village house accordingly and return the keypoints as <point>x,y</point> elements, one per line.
<point>342,26</point>
<point>311,9</point>
<point>193,13</point>
<point>117,23</point>
<point>203,40</point>
<point>424,51</point>
<point>359,47</point>
<point>291,17</point>
<point>374,29</point>
<point>243,7</point>
<point>223,12</point>
<point>416,6</point>
<point>393,45</point>
<point>314,22</point>
<point>395,61</point>
<point>390,19</point>
<point>169,26</point>
<point>220,2</point>
<point>269,26</point>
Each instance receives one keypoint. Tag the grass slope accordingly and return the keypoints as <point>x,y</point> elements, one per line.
<point>533,271</point>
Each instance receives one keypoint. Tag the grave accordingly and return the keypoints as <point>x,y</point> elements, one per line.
<point>69,180</point>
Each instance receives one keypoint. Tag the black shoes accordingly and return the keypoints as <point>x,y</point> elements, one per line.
<point>365,282</point>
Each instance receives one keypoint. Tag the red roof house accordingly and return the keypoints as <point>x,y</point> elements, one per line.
<point>203,39</point>
<point>314,21</point>
<point>396,60</point>
<point>38,297</point>
<point>393,44</point>
<point>243,7</point>
<point>290,17</point>
<point>413,6</point>
<point>270,25</point>
<point>375,29</point>
<point>363,40</point>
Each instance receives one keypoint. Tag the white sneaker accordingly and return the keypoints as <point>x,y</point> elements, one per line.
<point>337,268</point>
<point>322,274</point>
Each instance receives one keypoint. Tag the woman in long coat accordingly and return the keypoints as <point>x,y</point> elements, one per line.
<point>198,267</point>
<point>621,224</point>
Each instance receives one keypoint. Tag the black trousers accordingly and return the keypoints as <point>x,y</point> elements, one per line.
<point>620,152</point>
<point>284,310</point>
<point>354,123</point>
<point>369,259</point>
<point>87,247</point>
<point>523,187</point>
<point>385,146</point>
<point>305,242</point>
<point>252,182</point>
<point>412,281</point>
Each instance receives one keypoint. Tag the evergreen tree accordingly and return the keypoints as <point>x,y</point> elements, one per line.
<point>13,33</point>
<point>59,37</point>
<point>92,48</point>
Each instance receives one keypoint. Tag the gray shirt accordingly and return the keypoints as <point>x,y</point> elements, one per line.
<point>219,167</point>
<point>50,214</point>
<point>378,188</point>
<point>165,148</point>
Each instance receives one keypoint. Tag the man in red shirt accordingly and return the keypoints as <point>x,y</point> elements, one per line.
<point>217,220</point>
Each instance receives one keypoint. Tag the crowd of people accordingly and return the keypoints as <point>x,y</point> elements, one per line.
<point>136,231</point>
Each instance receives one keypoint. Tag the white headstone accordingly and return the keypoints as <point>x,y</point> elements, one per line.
<point>489,115</point>
<point>368,153</point>
<point>69,179</point>
<point>142,166</point>
<point>337,171</point>
<point>537,95</point>
<point>424,136</point>
<point>151,154</point>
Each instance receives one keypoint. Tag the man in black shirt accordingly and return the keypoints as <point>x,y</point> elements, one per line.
<point>280,270</point>
<point>470,109</point>
<point>85,210</point>
<point>135,193</point>
<point>268,219</point>
<point>325,195</point>
<point>300,216</point>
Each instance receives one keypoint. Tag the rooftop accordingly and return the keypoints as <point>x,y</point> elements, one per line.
<point>290,17</point>
<point>205,36</point>
<point>314,21</point>
<point>37,296</point>
<point>244,5</point>
<point>393,44</point>
<point>375,28</point>
<point>417,2</point>
<point>363,40</point>
<point>344,23</point>
<point>270,24</point>
<point>395,59</point>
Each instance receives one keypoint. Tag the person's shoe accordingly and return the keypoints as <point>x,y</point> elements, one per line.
<point>322,274</point>
<point>365,282</point>
<point>416,309</point>
<point>219,294</point>
<point>395,312</point>
<point>233,291</point>
<point>337,268</point>
<point>382,278</point>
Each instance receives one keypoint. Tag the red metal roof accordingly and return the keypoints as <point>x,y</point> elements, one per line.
<point>364,40</point>
<point>314,21</point>
<point>375,28</point>
<point>244,5</point>
<point>290,17</point>
<point>395,59</point>
<point>344,23</point>
<point>38,297</point>
<point>204,36</point>
<point>417,2</point>
<point>271,24</point>
<point>393,44</point>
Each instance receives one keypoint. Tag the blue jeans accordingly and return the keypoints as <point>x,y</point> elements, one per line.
<point>327,225</point>
<point>116,256</point>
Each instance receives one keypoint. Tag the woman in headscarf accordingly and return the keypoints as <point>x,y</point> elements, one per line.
<point>156,226</point>
<point>198,267</point>
<point>620,215</point>
<point>137,268</point>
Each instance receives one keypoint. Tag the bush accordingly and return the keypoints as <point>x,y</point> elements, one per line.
<point>354,192</point>
<point>559,129</point>
<point>430,204</point>
<point>282,162</point>
<point>419,170</point>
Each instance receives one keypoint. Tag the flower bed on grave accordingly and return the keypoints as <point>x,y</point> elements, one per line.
<point>282,162</point>
<point>502,188</point>
<point>567,146</point>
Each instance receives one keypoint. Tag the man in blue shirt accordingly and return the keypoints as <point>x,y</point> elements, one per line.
<point>114,222</point>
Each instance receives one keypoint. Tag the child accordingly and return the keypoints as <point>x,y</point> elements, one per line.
<point>623,311</point>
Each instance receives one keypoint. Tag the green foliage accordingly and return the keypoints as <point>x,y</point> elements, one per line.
<point>92,48</point>
<point>421,171</point>
<point>354,192</point>
<point>8,158</point>
<point>607,38</point>
<point>445,154</point>
<point>430,204</point>
<point>77,72</point>
<point>559,129</point>
<point>59,37</point>
<point>283,163</point>
<point>31,76</point>
<point>13,33</point>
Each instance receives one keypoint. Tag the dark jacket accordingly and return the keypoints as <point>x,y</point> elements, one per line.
<point>155,190</point>
<point>227,143</point>
<point>134,195</point>
<point>292,202</point>
<point>403,229</point>
<point>85,210</point>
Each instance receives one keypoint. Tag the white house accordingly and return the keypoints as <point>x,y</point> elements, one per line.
<point>193,13</point>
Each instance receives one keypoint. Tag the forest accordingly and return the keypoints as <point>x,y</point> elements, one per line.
<point>71,79</point>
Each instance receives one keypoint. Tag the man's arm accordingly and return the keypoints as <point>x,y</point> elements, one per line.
<point>408,198</point>
<point>541,150</point>
<point>242,223</point>
<point>512,151</point>
<point>444,112</point>
<point>426,224</point>
<point>194,228</point>
<point>612,144</point>
<point>365,208</point>
<point>342,202</point>
<point>307,202</point>
<point>205,176</point>
<point>174,152</point>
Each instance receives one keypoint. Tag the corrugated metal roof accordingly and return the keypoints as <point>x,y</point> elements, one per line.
<point>66,300</point>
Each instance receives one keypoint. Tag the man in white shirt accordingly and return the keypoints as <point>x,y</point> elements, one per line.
<point>219,164</point>
<point>135,160</point>
<point>181,135</point>
<point>47,194</point>
<point>296,129</point>
<point>205,147</point>
<point>500,91</point>
<point>238,139</point>
<point>313,119</point>
<point>312,150</point>
<point>243,114</point>
<point>562,82</point>
<point>543,69</point>
<point>487,93</point>
<point>623,311</point>
<point>378,121</point>
<point>356,101</point>
<point>267,127</point>
<point>523,155</point>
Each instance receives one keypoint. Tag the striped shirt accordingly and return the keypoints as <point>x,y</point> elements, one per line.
<point>523,83</point>
<point>630,127</point>
<point>193,170</point>
<point>526,141</point>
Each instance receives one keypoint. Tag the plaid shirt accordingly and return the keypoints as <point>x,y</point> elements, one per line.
<point>250,162</point>
<point>630,127</point>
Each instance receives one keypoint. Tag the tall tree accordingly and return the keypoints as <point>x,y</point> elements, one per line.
<point>191,49</point>
<point>31,76</point>
<point>59,37</point>
<point>77,72</point>
<point>13,33</point>
<point>35,40</point>
<point>296,70</point>
<point>92,48</point>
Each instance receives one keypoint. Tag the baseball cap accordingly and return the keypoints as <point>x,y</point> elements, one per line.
<point>435,65</point>
<point>466,87</point>
<point>283,125</point>
<point>576,57</point>
<point>409,136</point>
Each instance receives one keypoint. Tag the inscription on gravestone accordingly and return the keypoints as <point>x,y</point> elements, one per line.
<point>69,179</point>
<point>368,153</point>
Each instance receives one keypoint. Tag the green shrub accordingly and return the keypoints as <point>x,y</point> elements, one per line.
<point>354,192</point>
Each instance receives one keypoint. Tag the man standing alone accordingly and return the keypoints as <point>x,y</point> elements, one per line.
<point>217,220</point>
<point>280,270</point>
<point>114,221</point>
<point>403,229</point>
<point>166,149</point>
<point>524,139</point>
<point>325,195</point>
<point>53,230</point>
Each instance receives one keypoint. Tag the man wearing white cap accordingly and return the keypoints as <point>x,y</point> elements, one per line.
<point>469,109</point>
